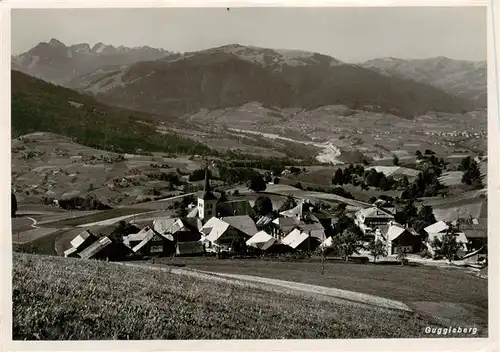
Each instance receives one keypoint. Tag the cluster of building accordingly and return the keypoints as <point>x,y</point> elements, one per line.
<point>379,223</point>
<point>216,225</point>
<point>213,225</point>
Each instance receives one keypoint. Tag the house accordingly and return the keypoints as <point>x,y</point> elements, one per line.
<point>105,249</point>
<point>399,239</point>
<point>79,243</point>
<point>261,241</point>
<point>438,230</point>
<point>297,240</point>
<point>221,236</point>
<point>185,230</point>
<point>244,223</point>
<point>161,225</point>
<point>285,225</point>
<point>477,235</point>
<point>153,244</point>
<point>302,217</point>
<point>370,218</point>
<point>134,239</point>
<point>476,229</point>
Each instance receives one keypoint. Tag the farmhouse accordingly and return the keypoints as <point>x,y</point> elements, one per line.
<point>261,241</point>
<point>152,243</point>
<point>370,218</point>
<point>105,249</point>
<point>399,239</point>
<point>221,236</point>
<point>438,230</point>
<point>297,239</point>
<point>301,217</point>
<point>79,243</point>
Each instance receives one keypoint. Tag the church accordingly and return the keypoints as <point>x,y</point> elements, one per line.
<point>214,204</point>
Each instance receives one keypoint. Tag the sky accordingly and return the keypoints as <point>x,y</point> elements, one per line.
<point>349,34</point>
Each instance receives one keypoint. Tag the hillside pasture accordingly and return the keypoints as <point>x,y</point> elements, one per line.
<point>50,303</point>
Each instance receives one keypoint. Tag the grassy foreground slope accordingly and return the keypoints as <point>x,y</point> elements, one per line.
<point>57,298</point>
<point>38,106</point>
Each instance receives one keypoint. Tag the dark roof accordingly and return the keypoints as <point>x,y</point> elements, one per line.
<point>288,224</point>
<point>235,208</point>
<point>191,224</point>
<point>475,232</point>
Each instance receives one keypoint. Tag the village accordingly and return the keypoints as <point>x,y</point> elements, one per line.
<point>215,225</point>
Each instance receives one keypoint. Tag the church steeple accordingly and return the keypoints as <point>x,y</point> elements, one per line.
<point>207,201</point>
<point>206,188</point>
<point>207,193</point>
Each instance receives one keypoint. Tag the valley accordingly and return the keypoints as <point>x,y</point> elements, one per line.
<point>271,177</point>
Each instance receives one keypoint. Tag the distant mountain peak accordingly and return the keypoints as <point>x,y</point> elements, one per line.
<point>56,43</point>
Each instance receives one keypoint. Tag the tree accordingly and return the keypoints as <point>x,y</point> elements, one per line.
<point>298,185</point>
<point>395,160</point>
<point>289,203</point>
<point>276,180</point>
<point>407,215</point>
<point>346,244</point>
<point>13,205</point>
<point>418,154</point>
<point>263,206</point>
<point>465,163</point>
<point>429,152</point>
<point>257,183</point>
<point>403,257</point>
<point>425,217</point>
<point>122,229</point>
<point>338,178</point>
<point>198,175</point>
<point>472,173</point>
<point>377,249</point>
<point>450,246</point>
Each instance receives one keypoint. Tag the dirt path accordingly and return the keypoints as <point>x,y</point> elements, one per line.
<point>33,225</point>
<point>325,293</point>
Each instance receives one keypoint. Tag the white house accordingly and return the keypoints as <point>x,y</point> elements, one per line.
<point>438,230</point>
<point>370,218</point>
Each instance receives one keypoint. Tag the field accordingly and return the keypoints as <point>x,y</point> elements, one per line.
<point>58,298</point>
<point>417,286</point>
<point>52,166</point>
<point>387,135</point>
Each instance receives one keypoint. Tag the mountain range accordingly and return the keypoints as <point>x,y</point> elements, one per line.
<point>58,63</point>
<point>465,79</point>
<point>166,83</point>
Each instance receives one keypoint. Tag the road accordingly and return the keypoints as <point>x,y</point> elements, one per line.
<point>115,220</point>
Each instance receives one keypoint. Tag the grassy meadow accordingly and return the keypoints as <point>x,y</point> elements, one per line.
<point>59,299</point>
